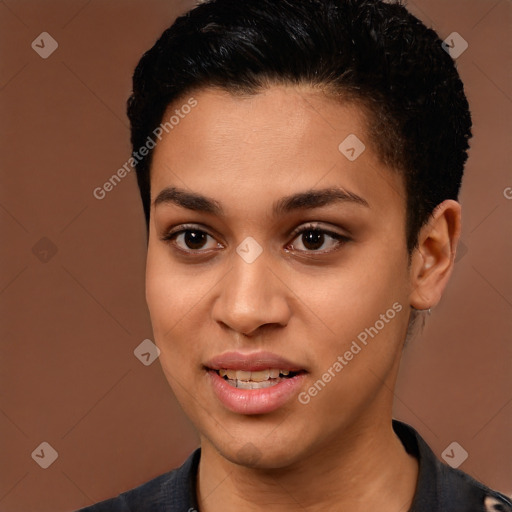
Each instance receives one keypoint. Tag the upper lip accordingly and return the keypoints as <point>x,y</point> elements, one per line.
<point>252,362</point>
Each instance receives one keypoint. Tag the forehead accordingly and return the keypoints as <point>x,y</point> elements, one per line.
<point>279,140</point>
<point>282,123</point>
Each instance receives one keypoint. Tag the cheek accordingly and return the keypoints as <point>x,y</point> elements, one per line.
<point>161,297</point>
<point>358,342</point>
<point>363,301</point>
<point>361,291</point>
<point>178,297</point>
<point>172,290</point>
<point>170,298</point>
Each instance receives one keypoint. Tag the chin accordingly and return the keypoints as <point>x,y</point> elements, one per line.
<point>260,455</point>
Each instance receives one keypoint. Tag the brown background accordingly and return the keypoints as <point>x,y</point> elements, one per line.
<point>71,320</point>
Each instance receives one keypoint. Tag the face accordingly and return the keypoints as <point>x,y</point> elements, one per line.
<point>272,247</point>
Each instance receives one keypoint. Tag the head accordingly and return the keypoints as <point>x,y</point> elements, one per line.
<point>267,116</point>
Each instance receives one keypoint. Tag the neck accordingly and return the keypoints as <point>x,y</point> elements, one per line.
<point>366,468</point>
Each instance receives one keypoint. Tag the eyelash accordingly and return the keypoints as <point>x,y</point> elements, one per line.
<point>340,239</point>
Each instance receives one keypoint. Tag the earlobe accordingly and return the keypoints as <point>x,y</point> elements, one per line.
<point>432,260</point>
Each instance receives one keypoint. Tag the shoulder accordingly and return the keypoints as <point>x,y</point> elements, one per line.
<point>442,488</point>
<point>151,493</point>
<point>174,490</point>
<point>460,488</point>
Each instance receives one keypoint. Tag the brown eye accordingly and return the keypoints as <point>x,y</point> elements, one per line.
<point>314,239</point>
<point>192,240</point>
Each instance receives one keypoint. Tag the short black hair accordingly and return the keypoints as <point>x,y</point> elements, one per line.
<point>371,52</point>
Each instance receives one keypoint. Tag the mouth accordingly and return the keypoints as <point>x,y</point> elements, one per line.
<point>254,383</point>
<point>260,379</point>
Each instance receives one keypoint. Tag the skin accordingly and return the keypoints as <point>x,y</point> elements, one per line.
<point>337,452</point>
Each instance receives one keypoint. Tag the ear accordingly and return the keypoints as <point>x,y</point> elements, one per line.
<point>432,260</point>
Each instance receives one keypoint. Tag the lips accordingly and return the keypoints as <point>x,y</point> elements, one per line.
<point>253,362</point>
<point>256,383</point>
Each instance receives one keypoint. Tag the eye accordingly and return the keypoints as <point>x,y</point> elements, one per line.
<point>191,239</point>
<point>314,239</point>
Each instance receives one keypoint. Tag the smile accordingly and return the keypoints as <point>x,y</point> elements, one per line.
<point>255,380</point>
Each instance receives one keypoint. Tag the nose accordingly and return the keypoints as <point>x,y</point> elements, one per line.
<point>252,296</point>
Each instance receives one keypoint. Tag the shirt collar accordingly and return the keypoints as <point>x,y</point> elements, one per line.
<point>438,485</point>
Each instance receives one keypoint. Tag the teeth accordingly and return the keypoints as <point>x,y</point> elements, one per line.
<point>259,376</point>
<point>252,385</point>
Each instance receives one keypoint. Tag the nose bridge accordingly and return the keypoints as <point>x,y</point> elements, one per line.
<point>249,280</point>
<point>250,296</point>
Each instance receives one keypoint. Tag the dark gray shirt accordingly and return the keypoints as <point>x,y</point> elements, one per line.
<point>440,488</point>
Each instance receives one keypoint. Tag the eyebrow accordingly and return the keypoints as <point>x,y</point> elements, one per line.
<point>308,199</point>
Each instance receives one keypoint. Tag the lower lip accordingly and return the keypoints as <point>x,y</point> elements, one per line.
<point>255,401</point>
